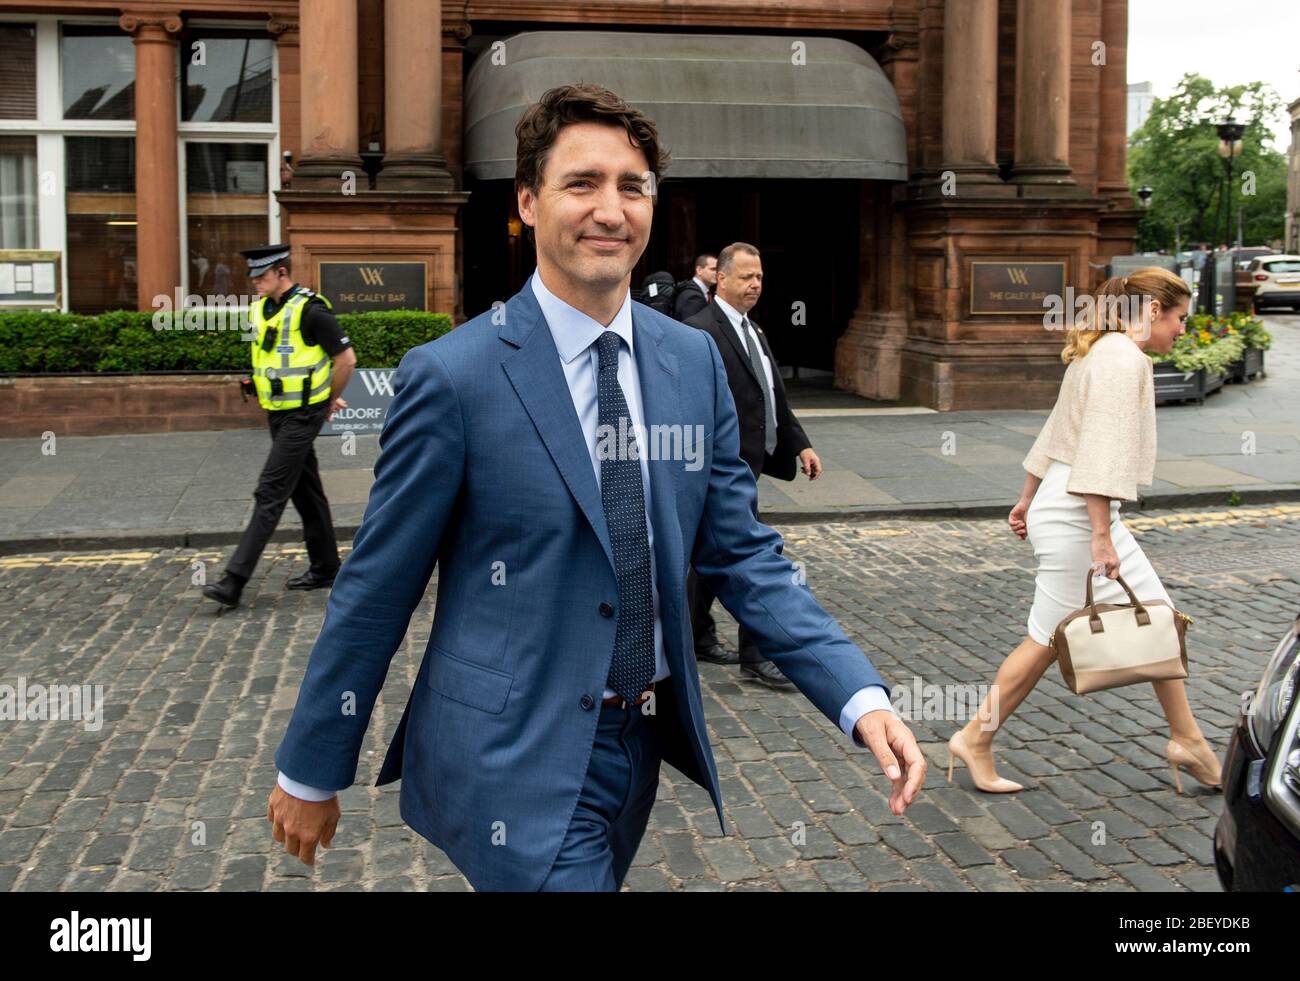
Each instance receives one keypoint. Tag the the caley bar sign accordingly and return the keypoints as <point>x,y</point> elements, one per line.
<point>1014,287</point>
<point>355,287</point>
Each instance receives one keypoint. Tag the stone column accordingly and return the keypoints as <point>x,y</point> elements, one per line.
<point>970,89</point>
<point>328,30</point>
<point>1112,134</point>
<point>157,177</point>
<point>1042,148</point>
<point>413,157</point>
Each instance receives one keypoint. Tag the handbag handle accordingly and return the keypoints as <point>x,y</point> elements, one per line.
<point>1094,620</point>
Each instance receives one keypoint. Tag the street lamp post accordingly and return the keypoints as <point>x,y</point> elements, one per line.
<point>1230,133</point>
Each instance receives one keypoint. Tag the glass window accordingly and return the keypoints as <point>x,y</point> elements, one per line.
<point>17,71</point>
<point>101,253</point>
<point>227,207</point>
<point>1282,266</point>
<point>18,192</point>
<point>226,78</point>
<point>98,73</point>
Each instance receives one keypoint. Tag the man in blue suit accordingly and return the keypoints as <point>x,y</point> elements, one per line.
<point>564,458</point>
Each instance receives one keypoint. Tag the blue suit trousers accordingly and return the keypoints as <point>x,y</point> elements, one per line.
<point>614,805</point>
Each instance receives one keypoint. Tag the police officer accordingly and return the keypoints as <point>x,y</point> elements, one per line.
<point>295,336</point>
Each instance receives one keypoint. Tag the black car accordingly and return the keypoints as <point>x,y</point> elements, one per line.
<point>1257,840</point>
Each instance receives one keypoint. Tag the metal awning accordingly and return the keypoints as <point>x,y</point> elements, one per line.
<point>725,105</point>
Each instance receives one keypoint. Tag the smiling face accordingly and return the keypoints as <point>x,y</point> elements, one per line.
<point>592,212</point>
<point>1163,325</point>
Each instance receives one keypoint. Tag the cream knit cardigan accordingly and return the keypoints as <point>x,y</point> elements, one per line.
<point>1104,422</point>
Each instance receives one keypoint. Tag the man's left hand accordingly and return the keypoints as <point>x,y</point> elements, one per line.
<point>887,737</point>
<point>337,404</point>
<point>810,463</point>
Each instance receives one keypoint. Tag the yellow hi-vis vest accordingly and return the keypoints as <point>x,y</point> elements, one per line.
<point>292,374</point>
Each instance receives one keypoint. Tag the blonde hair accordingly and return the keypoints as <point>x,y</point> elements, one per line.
<point>1116,299</point>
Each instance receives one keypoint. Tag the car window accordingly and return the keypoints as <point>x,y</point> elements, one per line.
<point>1282,266</point>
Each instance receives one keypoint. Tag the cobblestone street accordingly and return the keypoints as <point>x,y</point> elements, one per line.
<point>171,792</point>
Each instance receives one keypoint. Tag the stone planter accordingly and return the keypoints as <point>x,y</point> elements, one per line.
<point>1250,365</point>
<point>96,405</point>
<point>1175,385</point>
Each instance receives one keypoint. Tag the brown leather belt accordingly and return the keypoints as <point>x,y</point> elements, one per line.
<point>621,702</point>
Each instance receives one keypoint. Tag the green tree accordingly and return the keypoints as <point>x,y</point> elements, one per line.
<point>1175,152</point>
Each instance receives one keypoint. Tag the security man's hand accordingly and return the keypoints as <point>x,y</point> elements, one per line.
<point>301,825</point>
<point>810,463</point>
<point>337,404</point>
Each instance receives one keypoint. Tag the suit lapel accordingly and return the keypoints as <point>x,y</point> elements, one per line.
<point>729,332</point>
<point>534,371</point>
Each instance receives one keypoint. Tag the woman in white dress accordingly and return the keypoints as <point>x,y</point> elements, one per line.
<point>1098,445</point>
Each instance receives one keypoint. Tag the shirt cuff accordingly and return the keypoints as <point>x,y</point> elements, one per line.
<point>303,792</point>
<point>872,698</point>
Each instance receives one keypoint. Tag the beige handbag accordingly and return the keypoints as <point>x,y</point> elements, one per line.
<point>1117,644</point>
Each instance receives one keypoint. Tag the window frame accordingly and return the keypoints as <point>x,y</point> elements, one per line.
<point>50,129</point>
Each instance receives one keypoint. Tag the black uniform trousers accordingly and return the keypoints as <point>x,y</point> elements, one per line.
<point>700,597</point>
<point>290,473</point>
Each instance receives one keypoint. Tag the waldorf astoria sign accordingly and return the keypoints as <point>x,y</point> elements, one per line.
<point>356,287</point>
<point>1014,288</point>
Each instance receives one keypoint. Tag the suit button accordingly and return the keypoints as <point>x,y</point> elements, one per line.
<point>586,701</point>
<point>606,610</point>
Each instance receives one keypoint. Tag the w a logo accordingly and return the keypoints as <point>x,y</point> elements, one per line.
<point>372,276</point>
<point>1018,276</point>
<point>377,382</point>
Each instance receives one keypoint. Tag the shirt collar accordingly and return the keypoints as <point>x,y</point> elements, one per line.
<point>701,284</point>
<point>573,331</point>
<point>734,315</point>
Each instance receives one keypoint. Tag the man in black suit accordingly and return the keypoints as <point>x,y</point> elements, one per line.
<point>771,438</point>
<point>695,293</point>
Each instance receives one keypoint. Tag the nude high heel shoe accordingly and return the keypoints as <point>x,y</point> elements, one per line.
<point>1209,774</point>
<point>982,773</point>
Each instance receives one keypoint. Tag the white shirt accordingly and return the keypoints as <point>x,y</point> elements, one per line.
<point>738,321</point>
<point>575,336</point>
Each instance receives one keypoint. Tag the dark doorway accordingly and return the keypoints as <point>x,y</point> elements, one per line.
<point>806,230</point>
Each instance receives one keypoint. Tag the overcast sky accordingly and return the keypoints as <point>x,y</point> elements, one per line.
<point>1229,43</point>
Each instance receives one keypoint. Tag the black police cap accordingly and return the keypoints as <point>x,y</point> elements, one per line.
<point>264,257</point>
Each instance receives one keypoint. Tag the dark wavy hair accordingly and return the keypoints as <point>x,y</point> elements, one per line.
<point>540,125</point>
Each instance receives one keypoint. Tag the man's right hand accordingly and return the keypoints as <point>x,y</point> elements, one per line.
<point>301,825</point>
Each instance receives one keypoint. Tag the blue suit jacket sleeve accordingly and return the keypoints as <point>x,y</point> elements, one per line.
<point>417,477</point>
<point>742,560</point>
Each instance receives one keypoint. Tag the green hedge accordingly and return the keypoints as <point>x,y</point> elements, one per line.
<point>33,343</point>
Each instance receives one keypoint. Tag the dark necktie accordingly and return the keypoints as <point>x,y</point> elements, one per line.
<point>769,412</point>
<point>633,664</point>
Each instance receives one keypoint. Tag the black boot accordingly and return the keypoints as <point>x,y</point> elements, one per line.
<point>227,591</point>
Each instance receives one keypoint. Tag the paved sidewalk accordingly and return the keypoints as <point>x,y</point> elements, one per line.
<point>195,489</point>
<point>169,792</point>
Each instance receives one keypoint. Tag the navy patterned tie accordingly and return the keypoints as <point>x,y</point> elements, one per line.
<point>621,494</point>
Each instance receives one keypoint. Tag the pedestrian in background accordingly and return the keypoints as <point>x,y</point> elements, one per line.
<point>1098,445</point>
<point>771,439</point>
<point>694,294</point>
<point>295,337</point>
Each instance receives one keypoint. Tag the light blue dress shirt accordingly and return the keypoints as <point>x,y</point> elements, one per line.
<point>575,336</point>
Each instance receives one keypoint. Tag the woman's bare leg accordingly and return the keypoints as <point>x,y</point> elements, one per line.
<point>1015,679</point>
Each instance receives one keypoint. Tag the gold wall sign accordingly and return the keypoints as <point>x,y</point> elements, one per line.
<point>355,287</point>
<point>1014,288</point>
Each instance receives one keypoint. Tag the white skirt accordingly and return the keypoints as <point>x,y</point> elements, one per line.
<point>1061,534</point>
